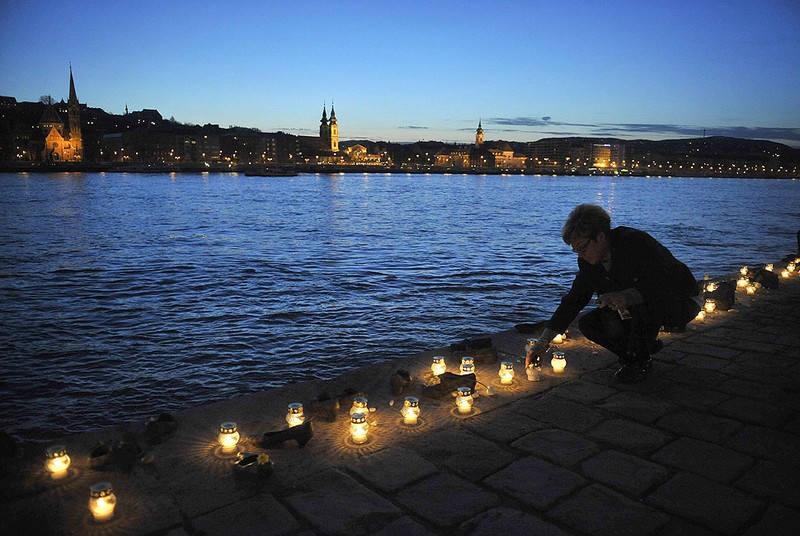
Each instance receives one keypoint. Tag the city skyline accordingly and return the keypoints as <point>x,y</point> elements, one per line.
<point>424,71</point>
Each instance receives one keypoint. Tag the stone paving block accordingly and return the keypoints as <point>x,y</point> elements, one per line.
<point>334,503</point>
<point>779,482</point>
<point>765,443</point>
<point>776,521</point>
<point>558,446</point>
<point>502,425</point>
<point>459,450</point>
<point>781,376</point>
<point>446,500</point>
<point>695,376</point>
<point>630,436</point>
<point>690,397</point>
<point>703,362</point>
<point>505,521</point>
<point>637,406</point>
<point>389,470</point>
<point>754,412</point>
<point>624,472</point>
<point>601,511</point>
<point>680,527</point>
<point>793,426</point>
<point>581,391</point>
<point>559,412</point>
<point>706,459</point>
<point>699,426</point>
<point>535,482</point>
<point>701,348</point>
<point>751,388</point>
<point>261,515</point>
<point>708,503</point>
<point>405,526</point>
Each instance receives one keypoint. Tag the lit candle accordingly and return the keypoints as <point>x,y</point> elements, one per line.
<point>751,289</point>
<point>558,339</point>
<point>359,428</point>
<point>360,405</point>
<point>744,270</point>
<point>102,501</point>
<point>710,306</point>
<point>438,366</point>
<point>57,461</point>
<point>295,415</point>
<point>559,362</point>
<point>464,400</point>
<point>701,315</point>
<point>769,267</point>
<point>711,287</point>
<point>467,362</point>
<point>228,436</point>
<point>742,282</point>
<point>506,373</point>
<point>410,411</point>
<point>785,273</point>
<point>791,267</point>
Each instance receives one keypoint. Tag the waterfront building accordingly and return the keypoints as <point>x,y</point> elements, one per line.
<point>479,135</point>
<point>63,143</point>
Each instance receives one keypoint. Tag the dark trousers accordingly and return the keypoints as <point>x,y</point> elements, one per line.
<point>635,336</point>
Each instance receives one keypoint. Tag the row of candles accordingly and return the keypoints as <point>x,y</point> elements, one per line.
<point>102,500</point>
<point>744,283</point>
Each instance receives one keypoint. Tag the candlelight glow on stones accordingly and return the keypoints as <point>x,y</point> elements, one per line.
<point>438,366</point>
<point>359,428</point>
<point>785,274</point>
<point>102,501</point>
<point>559,362</point>
<point>228,436</point>
<point>295,415</point>
<point>742,282</point>
<point>710,306</point>
<point>467,362</point>
<point>410,411</point>
<point>464,400</point>
<point>506,373</point>
<point>360,405</point>
<point>57,461</point>
<point>751,289</point>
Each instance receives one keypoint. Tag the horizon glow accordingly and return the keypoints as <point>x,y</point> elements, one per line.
<point>415,70</point>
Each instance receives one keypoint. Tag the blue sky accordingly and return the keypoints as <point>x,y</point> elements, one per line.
<point>422,70</point>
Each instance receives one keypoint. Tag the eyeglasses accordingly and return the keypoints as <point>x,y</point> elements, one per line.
<point>581,249</point>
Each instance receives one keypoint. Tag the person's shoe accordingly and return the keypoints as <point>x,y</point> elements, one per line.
<point>634,371</point>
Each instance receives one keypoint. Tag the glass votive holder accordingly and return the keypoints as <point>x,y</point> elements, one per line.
<point>506,373</point>
<point>410,411</point>
<point>295,415</point>
<point>438,366</point>
<point>558,362</point>
<point>102,501</point>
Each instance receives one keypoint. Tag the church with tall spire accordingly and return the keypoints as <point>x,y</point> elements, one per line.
<point>329,130</point>
<point>63,143</point>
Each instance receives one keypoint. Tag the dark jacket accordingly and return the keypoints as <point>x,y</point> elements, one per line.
<point>637,261</point>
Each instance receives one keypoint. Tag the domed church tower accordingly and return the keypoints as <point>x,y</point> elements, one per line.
<point>479,135</point>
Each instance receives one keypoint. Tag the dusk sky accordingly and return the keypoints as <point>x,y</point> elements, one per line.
<point>422,70</point>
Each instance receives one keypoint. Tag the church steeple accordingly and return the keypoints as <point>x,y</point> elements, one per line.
<point>334,131</point>
<point>74,110</point>
<point>324,129</point>
<point>479,134</point>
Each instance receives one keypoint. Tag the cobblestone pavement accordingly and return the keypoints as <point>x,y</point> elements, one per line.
<point>708,444</point>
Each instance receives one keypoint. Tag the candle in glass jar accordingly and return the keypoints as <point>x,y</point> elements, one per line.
<point>467,365</point>
<point>464,400</point>
<point>559,362</point>
<point>410,411</point>
<point>295,415</point>
<point>506,373</point>
<point>359,428</point>
<point>438,366</point>
<point>57,461</point>
<point>102,501</point>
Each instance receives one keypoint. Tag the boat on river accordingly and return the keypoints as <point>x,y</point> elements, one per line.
<point>270,171</point>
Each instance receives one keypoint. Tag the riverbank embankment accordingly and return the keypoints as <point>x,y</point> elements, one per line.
<point>708,444</point>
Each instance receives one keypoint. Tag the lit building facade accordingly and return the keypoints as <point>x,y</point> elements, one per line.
<point>63,143</point>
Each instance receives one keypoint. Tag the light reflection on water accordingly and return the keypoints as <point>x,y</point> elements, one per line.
<point>126,295</point>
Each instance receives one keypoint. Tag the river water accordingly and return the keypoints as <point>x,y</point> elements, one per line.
<point>124,295</point>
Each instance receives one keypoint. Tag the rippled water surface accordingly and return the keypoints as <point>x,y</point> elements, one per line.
<point>125,295</point>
